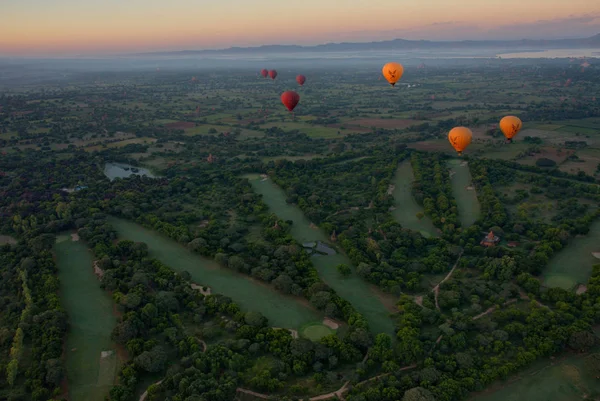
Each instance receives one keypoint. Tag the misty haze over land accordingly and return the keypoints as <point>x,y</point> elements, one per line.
<point>15,71</point>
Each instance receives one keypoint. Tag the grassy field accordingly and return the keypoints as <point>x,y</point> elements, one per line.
<point>281,310</point>
<point>366,300</point>
<point>573,265</point>
<point>91,356</point>
<point>562,380</point>
<point>406,208</point>
<point>315,331</point>
<point>469,209</point>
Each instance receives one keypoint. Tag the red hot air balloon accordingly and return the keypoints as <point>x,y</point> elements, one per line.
<point>301,79</point>
<point>264,73</point>
<point>290,99</point>
<point>273,74</point>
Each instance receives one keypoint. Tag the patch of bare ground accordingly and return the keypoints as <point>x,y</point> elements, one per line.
<point>390,189</point>
<point>419,300</point>
<point>313,226</point>
<point>97,270</point>
<point>581,289</point>
<point>332,324</point>
<point>430,146</point>
<point>383,123</point>
<point>557,155</point>
<point>180,125</point>
<point>252,393</point>
<point>200,288</point>
<point>75,237</point>
<point>145,394</point>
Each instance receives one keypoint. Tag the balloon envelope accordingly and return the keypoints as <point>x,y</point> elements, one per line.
<point>264,73</point>
<point>290,99</point>
<point>301,79</point>
<point>510,126</point>
<point>273,74</point>
<point>460,138</point>
<point>392,72</point>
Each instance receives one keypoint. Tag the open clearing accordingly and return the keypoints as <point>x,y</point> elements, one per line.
<point>573,264</point>
<point>469,209</point>
<point>547,380</point>
<point>315,331</point>
<point>91,357</point>
<point>406,207</point>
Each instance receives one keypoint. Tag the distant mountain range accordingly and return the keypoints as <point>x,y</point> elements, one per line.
<point>397,44</point>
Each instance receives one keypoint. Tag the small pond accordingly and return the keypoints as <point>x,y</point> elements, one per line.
<point>122,170</point>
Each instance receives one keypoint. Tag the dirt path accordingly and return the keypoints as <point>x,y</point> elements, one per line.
<point>258,395</point>
<point>526,297</point>
<point>436,289</point>
<point>143,396</point>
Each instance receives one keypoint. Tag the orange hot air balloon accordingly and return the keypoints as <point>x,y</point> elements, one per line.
<point>510,126</point>
<point>392,72</point>
<point>273,74</point>
<point>264,73</point>
<point>290,99</point>
<point>301,79</point>
<point>460,138</point>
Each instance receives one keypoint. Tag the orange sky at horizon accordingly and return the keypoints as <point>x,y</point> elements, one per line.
<point>85,26</point>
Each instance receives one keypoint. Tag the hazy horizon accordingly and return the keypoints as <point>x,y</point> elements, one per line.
<point>71,27</point>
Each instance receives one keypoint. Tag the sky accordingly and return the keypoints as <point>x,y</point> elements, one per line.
<point>86,27</point>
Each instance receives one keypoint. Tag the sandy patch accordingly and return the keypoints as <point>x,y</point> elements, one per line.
<point>313,226</point>
<point>6,239</point>
<point>581,289</point>
<point>596,255</point>
<point>293,332</point>
<point>201,289</point>
<point>419,300</point>
<point>391,189</point>
<point>75,237</point>
<point>106,354</point>
<point>97,270</point>
<point>332,324</point>
<point>469,188</point>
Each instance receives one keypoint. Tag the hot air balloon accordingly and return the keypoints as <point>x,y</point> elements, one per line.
<point>301,79</point>
<point>290,99</point>
<point>264,73</point>
<point>460,138</point>
<point>392,72</point>
<point>273,74</point>
<point>510,126</point>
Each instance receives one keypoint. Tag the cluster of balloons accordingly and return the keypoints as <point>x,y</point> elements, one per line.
<point>459,137</point>
<point>289,99</point>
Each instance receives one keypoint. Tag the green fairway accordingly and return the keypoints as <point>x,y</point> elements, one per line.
<point>573,264</point>
<point>350,288</point>
<point>406,207</point>
<point>565,380</point>
<point>281,310</point>
<point>464,192</point>
<point>315,331</point>
<point>91,357</point>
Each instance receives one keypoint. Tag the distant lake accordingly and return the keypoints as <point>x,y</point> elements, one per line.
<point>554,53</point>
<point>122,170</point>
